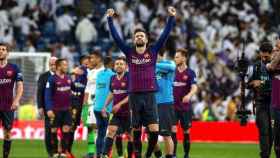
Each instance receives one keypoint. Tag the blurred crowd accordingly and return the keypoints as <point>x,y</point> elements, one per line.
<point>214,31</point>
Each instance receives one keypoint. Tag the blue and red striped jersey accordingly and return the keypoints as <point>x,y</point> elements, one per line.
<point>181,87</point>
<point>58,93</point>
<point>142,77</point>
<point>9,74</point>
<point>119,89</point>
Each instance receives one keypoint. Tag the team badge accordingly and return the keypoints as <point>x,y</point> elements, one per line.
<point>146,55</point>
<point>9,73</point>
<point>185,77</point>
<point>123,84</point>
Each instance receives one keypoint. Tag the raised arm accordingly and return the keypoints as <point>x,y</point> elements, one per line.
<point>164,35</point>
<point>120,43</point>
<point>273,65</point>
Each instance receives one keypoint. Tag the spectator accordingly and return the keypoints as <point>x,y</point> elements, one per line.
<point>48,7</point>
<point>64,24</point>
<point>29,47</point>
<point>66,3</point>
<point>232,108</point>
<point>7,37</point>
<point>219,110</point>
<point>85,34</point>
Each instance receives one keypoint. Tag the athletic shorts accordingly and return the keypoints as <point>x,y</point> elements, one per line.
<point>166,119</point>
<point>7,119</point>
<point>144,109</point>
<point>123,123</point>
<point>62,118</point>
<point>184,118</point>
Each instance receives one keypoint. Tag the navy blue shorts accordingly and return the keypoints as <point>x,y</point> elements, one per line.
<point>144,109</point>
<point>123,123</point>
<point>7,119</point>
<point>166,119</point>
<point>184,118</point>
<point>61,119</point>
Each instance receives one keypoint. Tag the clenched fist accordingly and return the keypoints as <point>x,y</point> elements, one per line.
<point>171,11</point>
<point>110,12</point>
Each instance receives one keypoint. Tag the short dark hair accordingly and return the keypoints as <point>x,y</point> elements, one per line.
<point>107,61</point>
<point>123,58</point>
<point>139,30</point>
<point>6,45</point>
<point>97,53</point>
<point>59,61</point>
<point>82,58</point>
<point>183,51</point>
<point>266,47</point>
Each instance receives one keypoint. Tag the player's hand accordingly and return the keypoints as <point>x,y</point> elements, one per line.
<point>15,105</point>
<point>41,112</point>
<point>110,12</point>
<point>50,114</point>
<point>268,66</point>
<point>85,104</point>
<point>171,11</point>
<point>256,83</point>
<point>104,112</point>
<point>277,45</point>
<point>186,99</point>
<point>116,108</point>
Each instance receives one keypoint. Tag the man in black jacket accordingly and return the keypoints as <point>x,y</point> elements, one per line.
<point>260,82</point>
<point>41,104</point>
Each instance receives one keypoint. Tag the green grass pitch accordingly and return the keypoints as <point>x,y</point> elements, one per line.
<point>35,149</point>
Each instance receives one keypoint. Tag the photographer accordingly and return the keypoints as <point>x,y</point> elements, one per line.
<point>260,83</point>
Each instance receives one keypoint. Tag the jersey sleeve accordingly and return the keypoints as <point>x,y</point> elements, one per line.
<point>85,73</point>
<point>89,84</point>
<point>18,74</point>
<point>120,43</point>
<point>193,77</point>
<point>164,35</point>
<point>49,93</point>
